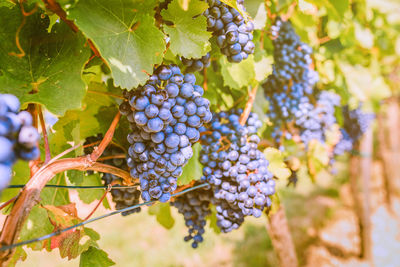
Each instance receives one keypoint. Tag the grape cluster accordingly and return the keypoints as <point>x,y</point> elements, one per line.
<point>235,168</point>
<point>123,197</point>
<point>294,106</point>
<point>290,85</point>
<point>195,207</point>
<point>316,120</point>
<point>234,34</point>
<point>165,115</point>
<point>355,124</point>
<point>197,64</point>
<point>18,138</point>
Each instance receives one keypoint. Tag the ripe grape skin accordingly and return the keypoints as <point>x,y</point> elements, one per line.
<point>226,168</point>
<point>168,136</point>
<point>18,138</point>
<point>195,207</point>
<point>233,34</point>
<point>289,90</point>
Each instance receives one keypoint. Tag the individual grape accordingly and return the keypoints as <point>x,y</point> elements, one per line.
<point>18,138</point>
<point>123,197</point>
<point>161,146</point>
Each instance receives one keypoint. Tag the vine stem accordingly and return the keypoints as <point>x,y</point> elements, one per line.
<point>249,105</point>
<point>8,202</point>
<point>30,195</point>
<point>98,203</point>
<point>45,138</point>
<point>205,85</point>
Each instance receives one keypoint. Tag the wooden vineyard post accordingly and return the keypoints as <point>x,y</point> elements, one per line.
<point>389,147</point>
<point>360,177</point>
<point>278,230</point>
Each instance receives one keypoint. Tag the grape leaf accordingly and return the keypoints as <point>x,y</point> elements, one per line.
<point>19,255</point>
<point>256,9</point>
<point>193,170</point>
<point>88,196</point>
<point>37,224</point>
<point>188,34</point>
<point>237,75</point>
<point>7,3</point>
<point>21,174</point>
<point>341,6</point>
<point>125,34</point>
<point>95,117</point>
<point>317,158</point>
<point>50,71</point>
<point>276,164</point>
<point>55,196</point>
<point>213,220</point>
<point>163,214</point>
<point>67,242</point>
<point>95,257</point>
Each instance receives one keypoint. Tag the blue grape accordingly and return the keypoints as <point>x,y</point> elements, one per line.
<point>236,177</point>
<point>18,138</point>
<point>195,207</point>
<point>232,32</point>
<point>171,129</point>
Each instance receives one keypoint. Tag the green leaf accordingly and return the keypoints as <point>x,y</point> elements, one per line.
<point>19,255</point>
<point>188,34</point>
<point>193,170</point>
<point>256,9</point>
<point>88,196</point>
<point>37,224</point>
<point>341,6</point>
<point>21,174</point>
<point>55,196</point>
<point>237,75</point>
<point>50,72</point>
<point>95,117</point>
<point>163,214</point>
<point>317,158</point>
<point>125,34</point>
<point>213,220</point>
<point>276,163</point>
<point>95,257</point>
<point>7,3</point>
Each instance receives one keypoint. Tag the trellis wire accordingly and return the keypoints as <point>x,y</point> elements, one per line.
<point>3,248</point>
<point>77,186</point>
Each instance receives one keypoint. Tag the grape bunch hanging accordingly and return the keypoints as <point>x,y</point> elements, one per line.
<point>195,207</point>
<point>355,124</point>
<point>165,115</point>
<point>295,107</point>
<point>235,168</point>
<point>123,197</point>
<point>18,138</point>
<point>233,34</point>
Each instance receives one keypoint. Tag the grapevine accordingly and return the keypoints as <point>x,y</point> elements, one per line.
<point>201,114</point>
